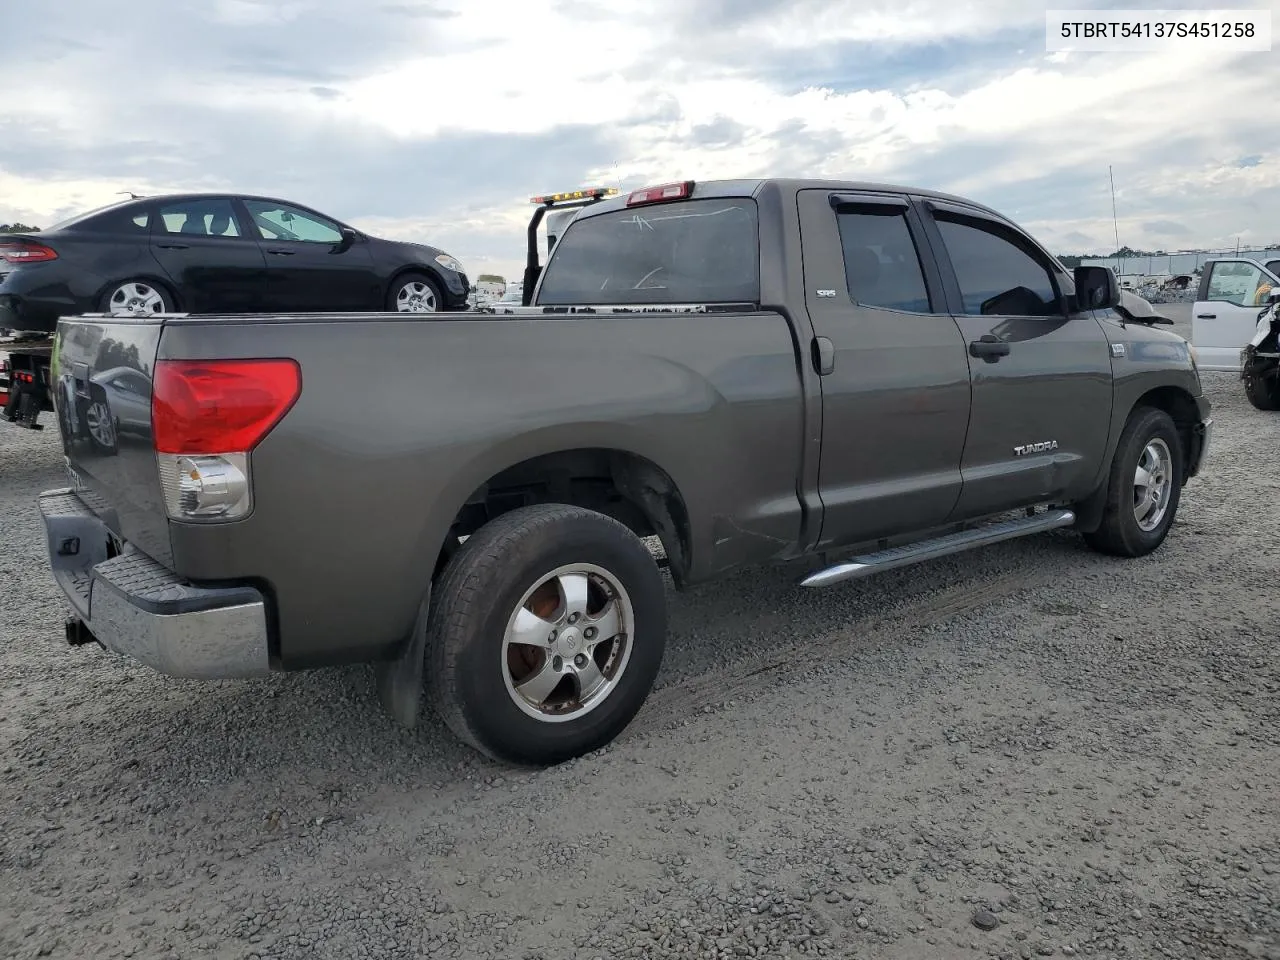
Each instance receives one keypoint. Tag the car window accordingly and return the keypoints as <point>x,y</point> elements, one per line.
<point>688,251</point>
<point>881,262</point>
<point>206,217</point>
<point>1240,283</point>
<point>277,221</point>
<point>996,277</point>
<point>1274,267</point>
<point>92,219</point>
<point>129,221</point>
<point>134,383</point>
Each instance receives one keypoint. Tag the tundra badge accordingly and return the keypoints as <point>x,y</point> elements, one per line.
<point>1041,447</point>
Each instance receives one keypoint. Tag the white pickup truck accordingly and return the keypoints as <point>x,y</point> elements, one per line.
<point>1233,293</point>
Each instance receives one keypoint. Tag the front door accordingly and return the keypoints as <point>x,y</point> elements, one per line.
<point>1226,315</point>
<point>1042,383</point>
<point>310,268</point>
<point>214,264</point>
<point>895,389</point>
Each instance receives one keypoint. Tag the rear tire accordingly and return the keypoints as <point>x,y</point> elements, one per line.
<point>559,578</point>
<point>1144,486</point>
<point>1262,384</point>
<point>137,297</point>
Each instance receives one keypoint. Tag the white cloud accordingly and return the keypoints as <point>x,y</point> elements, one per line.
<point>963,95</point>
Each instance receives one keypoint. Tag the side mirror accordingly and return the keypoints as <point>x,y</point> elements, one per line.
<point>349,237</point>
<point>1097,288</point>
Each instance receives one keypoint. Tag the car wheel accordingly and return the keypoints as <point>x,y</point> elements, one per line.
<point>415,293</point>
<point>137,298</point>
<point>1144,486</point>
<point>100,424</point>
<point>1262,384</point>
<point>546,634</point>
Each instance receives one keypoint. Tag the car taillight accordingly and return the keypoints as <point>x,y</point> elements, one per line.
<point>207,417</point>
<point>658,194</point>
<point>26,252</point>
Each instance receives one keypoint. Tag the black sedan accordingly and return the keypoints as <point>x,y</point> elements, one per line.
<point>206,253</point>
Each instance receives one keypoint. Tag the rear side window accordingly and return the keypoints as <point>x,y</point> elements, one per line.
<point>129,221</point>
<point>690,251</point>
<point>881,264</point>
<point>204,217</point>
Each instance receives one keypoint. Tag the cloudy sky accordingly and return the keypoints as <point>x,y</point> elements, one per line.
<point>436,120</point>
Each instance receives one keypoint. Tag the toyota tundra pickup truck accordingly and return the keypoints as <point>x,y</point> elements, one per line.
<point>845,377</point>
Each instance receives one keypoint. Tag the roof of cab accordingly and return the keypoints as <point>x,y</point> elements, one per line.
<point>707,189</point>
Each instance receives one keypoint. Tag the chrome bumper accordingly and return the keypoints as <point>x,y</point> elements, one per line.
<point>138,608</point>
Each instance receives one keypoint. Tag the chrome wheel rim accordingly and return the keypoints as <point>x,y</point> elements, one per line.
<point>416,297</point>
<point>136,299</point>
<point>98,420</point>
<point>568,643</point>
<point>1152,484</point>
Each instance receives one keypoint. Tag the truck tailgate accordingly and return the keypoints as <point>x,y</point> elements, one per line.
<point>101,386</point>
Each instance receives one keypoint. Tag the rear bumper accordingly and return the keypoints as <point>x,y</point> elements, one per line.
<point>138,608</point>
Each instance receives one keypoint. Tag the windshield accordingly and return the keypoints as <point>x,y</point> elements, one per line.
<point>692,251</point>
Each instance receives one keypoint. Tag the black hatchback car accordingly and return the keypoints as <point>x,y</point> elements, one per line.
<point>204,253</point>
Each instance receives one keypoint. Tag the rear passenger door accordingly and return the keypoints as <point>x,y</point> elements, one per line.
<point>204,248</point>
<point>895,381</point>
<point>1040,374</point>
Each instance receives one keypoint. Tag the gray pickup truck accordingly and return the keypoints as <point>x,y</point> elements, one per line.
<point>854,376</point>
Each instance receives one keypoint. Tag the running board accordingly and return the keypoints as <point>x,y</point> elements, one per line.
<point>871,563</point>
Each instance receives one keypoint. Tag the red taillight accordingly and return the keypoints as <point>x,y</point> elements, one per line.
<point>220,406</point>
<point>23,251</point>
<point>666,191</point>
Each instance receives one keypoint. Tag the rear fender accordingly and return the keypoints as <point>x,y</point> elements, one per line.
<point>471,476</point>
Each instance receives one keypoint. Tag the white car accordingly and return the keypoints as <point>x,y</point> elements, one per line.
<point>1233,291</point>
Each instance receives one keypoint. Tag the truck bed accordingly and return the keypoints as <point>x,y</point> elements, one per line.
<point>400,422</point>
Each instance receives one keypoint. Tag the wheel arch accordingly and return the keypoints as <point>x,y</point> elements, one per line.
<point>610,477</point>
<point>1181,406</point>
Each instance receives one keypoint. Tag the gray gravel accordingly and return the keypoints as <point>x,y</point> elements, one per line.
<point>1027,751</point>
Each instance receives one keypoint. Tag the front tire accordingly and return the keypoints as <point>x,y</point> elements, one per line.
<point>1144,486</point>
<point>1262,384</point>
<point>415,293</point>
<point>546,634</point>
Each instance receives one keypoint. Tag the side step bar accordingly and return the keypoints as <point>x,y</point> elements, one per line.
<point>871,563</point>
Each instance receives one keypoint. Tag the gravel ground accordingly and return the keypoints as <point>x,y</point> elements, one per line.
<point>1027,751</point>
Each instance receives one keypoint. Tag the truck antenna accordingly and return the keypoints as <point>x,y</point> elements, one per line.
<point>1114,220</point>
<point>132,195</point>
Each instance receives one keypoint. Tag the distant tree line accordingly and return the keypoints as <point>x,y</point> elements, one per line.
<point>17,228</point>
